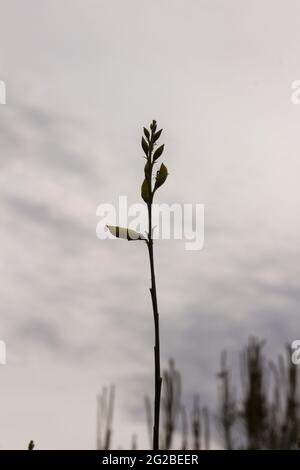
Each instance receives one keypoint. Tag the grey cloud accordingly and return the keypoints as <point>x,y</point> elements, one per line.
<point>41,214</point>
<point>70,135</point>
<point>42,332</point>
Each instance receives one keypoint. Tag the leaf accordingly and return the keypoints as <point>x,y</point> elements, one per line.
<point>158,152</point>
<point>147,169</point>
<point>145,146</point>
<point>145,191</point>
<point>147,133</point>
<point>161,176</point>
<point>125,233</point>
<point>157,135</point>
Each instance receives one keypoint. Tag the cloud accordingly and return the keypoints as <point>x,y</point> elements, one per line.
<point>76,312</point>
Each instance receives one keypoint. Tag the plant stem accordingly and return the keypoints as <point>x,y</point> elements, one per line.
<point>157,376</point>
<point>148,143</point>
<point>158,379</point>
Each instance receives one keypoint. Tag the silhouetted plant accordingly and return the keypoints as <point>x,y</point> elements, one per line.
<point>267,415</point>
<point>105,408</point>
<point>184,428</point>
<point>264,415</point>
<point>284,413</point>
<point>228,412</point>
<point>31,445</point>
<point>148,189</point>
<point>200,426</point>
<point>173,410</point>
<point>254,404</point>
<point>171,404</point>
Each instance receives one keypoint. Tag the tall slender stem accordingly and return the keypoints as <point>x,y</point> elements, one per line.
<point>158,379</point>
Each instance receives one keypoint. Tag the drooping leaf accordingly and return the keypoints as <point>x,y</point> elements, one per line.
<point>161,176</point>
<point>145,191</point>
<point>158,152</point>
<point>157,135</point>
<point>145,146</point>
<point>125,233</point>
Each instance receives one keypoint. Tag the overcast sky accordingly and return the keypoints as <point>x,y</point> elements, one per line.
<point>82,78</point>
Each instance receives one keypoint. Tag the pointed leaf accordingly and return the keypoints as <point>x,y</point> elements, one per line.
<point>161,176</point>
<point>145,191</point>
<point>147,133</point>
<point>125,233</point>
<point>158,152</point>
<point>145,146</point>
<point>157,135</point>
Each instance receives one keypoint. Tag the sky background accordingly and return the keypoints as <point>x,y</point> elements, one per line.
<point>82,78</point>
